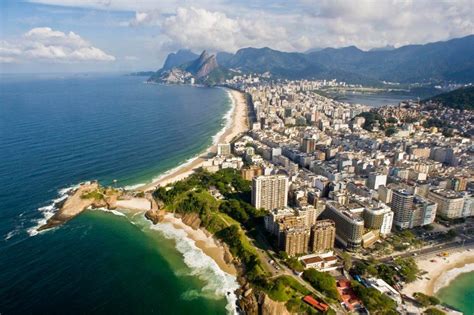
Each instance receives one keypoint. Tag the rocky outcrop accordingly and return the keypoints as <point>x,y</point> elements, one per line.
<point>207,67</point>
<point>74,205</point>
<point>269,307</point>
<point>191,219</point>
<point>155,215</point>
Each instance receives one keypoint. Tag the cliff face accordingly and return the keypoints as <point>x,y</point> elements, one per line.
<point>202,66</point>
<point>192,220</point>
<point>204,70</point>
<point>270,307</point>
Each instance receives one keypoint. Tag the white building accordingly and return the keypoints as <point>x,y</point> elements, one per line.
<point>270,192</point>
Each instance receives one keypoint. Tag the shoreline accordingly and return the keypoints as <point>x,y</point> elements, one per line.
<point>205,242</point>
<point>441,271</point>
<point>237,123</point>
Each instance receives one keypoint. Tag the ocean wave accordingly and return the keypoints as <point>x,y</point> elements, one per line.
<point>218,283</point>
<point>133,187</point>
<point>227,118</point>
<point>177,168</point>
<point>446,278</point>
<point>114,212</point>
<point>12,233</point>
<point>49,210</point>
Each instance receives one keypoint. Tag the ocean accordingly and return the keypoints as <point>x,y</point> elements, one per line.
<point>59,130</point>
<point>459,293</point>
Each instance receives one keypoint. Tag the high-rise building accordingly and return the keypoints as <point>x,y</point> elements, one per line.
<point>375,180</point>
<point>270,192</point>
<point>308,145</point>
<point>402,207</point>
<point>223,149</point>
<point>424,212</point>
<point>349,225</point>
<point>248,173</point>
<point>294,240</point>
<point>323,235</point>
<point>385,194</point>
<point>379,218</point>
<point>450,203</point>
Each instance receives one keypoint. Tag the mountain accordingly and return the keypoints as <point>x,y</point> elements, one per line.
<point>178,58</point>
<point>204,70</point>
<point>203,65</point>
<point>384,48</point>
<point>462,98</point>
<point>447,61</point>
<point>441,61</point>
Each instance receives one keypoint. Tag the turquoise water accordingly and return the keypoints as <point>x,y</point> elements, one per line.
<point>460,293</point>
<point>58,131</point>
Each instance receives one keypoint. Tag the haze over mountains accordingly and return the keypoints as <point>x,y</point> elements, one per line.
<point>447,61</point>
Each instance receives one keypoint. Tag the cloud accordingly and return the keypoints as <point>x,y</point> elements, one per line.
<point>198,29</point>
<point>302,24</point>
<point>46,44</point>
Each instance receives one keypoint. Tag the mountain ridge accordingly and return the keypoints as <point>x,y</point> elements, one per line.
<point>442,61</point>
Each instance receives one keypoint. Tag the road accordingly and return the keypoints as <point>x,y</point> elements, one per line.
<point>466,244</point>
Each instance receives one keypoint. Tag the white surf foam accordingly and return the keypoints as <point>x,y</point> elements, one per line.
<point>12,233</point>
<point>133,187</point>
<point>49,210</point>
<point>446,278</point>
<point>227,118</point>
<point>218,283</point>
<point>114,212</point>
<point>215,139</point>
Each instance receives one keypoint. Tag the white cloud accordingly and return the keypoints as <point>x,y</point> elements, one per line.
<point>297,25</point>
<point>198,29</point>
<point>46,44</point>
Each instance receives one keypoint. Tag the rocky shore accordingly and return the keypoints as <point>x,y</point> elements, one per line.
<point>92,195</point>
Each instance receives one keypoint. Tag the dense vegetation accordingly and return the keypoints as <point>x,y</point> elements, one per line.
<point>433,311</point>
<point>370,119</point>
<point>403,268</point>
<point>462,98</point>
<point>322,282</point>
<point>425,300</point>
<point>373,300</point>
<point>222,218</point>
<point>225,218</point>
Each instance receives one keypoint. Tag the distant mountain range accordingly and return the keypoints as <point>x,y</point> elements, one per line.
<point>447,61</point>
<point>462,98</point>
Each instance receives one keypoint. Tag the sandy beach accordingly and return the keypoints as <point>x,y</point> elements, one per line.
<point>204,242</point>
<point>237,125</point>
<point>440,271</point>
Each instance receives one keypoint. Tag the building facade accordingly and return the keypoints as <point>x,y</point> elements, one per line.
<point>270,192</point>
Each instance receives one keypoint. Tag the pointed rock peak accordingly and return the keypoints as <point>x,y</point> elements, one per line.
<point>204,55</point>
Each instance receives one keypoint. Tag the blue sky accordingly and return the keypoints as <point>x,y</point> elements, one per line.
<point>122,35</point>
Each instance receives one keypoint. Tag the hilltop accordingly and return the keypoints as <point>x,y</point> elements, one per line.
<point>462,98</point>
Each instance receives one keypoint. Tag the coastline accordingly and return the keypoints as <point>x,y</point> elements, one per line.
<point>207,243</point>
<point>237,123</point>
<point>440,271</point>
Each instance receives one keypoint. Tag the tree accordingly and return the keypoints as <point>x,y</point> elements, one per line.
<point>392,120</point>
<point>390,131</point>
<point>322,282</point>
<point>374,301</point>
<point>425,300</point>
<point>434,311</point>
<point>346,257</point>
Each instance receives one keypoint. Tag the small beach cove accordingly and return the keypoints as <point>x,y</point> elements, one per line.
<point>103,236</point>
